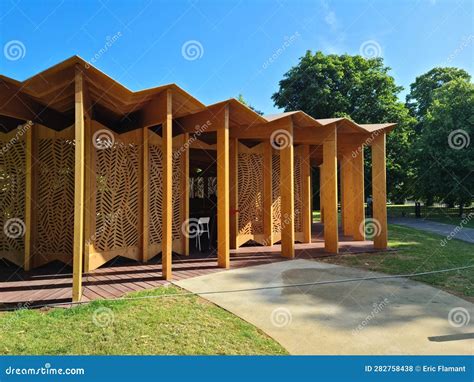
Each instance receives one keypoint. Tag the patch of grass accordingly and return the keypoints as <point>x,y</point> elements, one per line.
<point>418,251</point>
<point>167,325</point>
<point>437,214</point>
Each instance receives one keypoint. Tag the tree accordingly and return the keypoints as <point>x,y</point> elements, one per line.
<point>422,90</point>
<point>445,155</point>
<point>326,86</point>
<point>241,99</point>
<point>419,101</point>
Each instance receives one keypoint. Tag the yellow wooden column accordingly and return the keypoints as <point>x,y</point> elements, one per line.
<point>185,188</point>
<point>234,191</point>
<point>287,193</point>
<point>329,187</point>
<point>321,196</point>
<point>346,194</point>
<point>267,193</point>
<point>379,191</point>
<point>146,193</point>
<point>223,190</point>
<point>358,209</point>
<point>30,192</point>
<point>79,184</point>
<point>90,191</point>
<point>167,207</point>
<point>306,193</point>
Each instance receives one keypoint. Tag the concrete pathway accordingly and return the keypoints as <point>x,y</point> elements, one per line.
<point>391,316</point>
<point>457,232</point>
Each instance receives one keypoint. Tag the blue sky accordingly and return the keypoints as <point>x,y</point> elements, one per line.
<point>233,46</point>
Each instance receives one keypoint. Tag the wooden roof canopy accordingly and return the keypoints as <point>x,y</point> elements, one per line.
<point>48,98</point>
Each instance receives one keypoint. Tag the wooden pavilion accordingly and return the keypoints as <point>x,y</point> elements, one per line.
<point>91,170</point>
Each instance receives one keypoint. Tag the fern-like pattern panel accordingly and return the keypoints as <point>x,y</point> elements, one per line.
<point>276,198</point>
<point>117,198</point>
<point>177,197</point>
<point>250,180</point>
<point>298,188</point>
<point>55,199</point>
<point>12,190</point>
<point>156,193</point>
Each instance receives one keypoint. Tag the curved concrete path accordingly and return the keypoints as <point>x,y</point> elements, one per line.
<point>454,232</point>
<point>391,316</point>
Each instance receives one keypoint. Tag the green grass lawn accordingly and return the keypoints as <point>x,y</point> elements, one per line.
<point>438,214</point>
<point>169,325</point>
<point>418,251</point>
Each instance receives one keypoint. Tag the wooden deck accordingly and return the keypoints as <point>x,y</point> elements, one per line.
<point>52,284</point>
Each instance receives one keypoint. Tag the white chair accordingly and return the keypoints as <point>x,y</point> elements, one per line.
<point>203,227</point>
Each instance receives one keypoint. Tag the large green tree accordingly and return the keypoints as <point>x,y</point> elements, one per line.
<point>420,99</point>
<point>443,151</point>
<point>332,85</point>
<point>422,90</point>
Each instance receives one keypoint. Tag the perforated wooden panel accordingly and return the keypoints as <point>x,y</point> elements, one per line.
<point>55,197</point>
<point>250,185</point>
<point>12,190</point>
<point>298,187</point>
<point>117,197</point>
<point>156,192</point>
<point>178,210</point>
<point>276,198</point>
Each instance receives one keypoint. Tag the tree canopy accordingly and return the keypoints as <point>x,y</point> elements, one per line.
<point>443,151</point>
<point>326,86</point>
<point>422,90</point>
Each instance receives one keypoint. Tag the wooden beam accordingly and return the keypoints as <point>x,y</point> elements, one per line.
<point>234,191</point>
<point>223,191</point>
<point>16,104</point>
<point>306,193</point>
<point>287,192</point>
<point>30,192</point>
<point>358,209</point>
<point>79,185</point>
<point>185,189</point>
<point>329,186</point>
<point>267,193</point>
<point>379,191</point>
<point>167,207</point>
